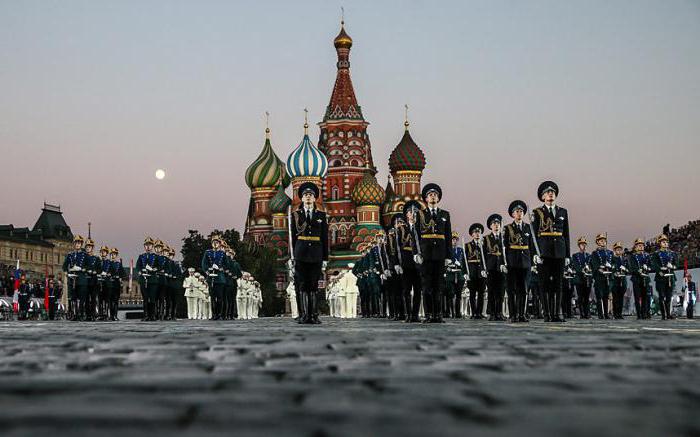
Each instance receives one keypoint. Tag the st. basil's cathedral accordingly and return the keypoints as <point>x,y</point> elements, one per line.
<point>342,167</point>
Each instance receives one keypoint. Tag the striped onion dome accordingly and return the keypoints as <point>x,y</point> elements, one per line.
<point>306,160</point>
<point>280,201</point>
<point>368,191</point>
<point>406,155</point>
<point>267,169</point>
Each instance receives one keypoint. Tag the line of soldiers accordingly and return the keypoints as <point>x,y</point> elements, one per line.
<point>160,280</point>
<point>222,272</point>
<point>94,281</point>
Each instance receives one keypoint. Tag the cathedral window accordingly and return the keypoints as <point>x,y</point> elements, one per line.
<point>334,193</point>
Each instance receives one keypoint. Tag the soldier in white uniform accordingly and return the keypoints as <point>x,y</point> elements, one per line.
<point>204,299</point>
<point>242,296</point>
<point>348,283</point>
<point>466,308</point>
<point>191,292</point>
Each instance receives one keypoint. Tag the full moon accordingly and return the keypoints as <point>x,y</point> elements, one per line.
<point>160,174</point>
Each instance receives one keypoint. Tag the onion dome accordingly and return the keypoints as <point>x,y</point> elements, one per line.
<point>267,169</point>
<point>306,160</point>
<point>280,201</point>
<point>368,191</point>
<point>406,155</point>
<point>343,40</point>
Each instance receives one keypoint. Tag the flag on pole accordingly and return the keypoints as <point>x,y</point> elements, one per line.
<point>131,273</point>
<point>15,295</point>
<point>46,289</point>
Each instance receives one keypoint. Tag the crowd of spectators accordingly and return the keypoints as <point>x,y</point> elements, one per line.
<point>684,240</point>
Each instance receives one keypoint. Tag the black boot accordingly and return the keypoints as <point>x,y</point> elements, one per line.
<point>606,315</point>
<point>314,309</point>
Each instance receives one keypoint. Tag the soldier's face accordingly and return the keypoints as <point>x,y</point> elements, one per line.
<point>549,196</point>
<point>495,227</point>
<point>89,249</point>
<point>77,245</point>
<point>113,256</point>
<point>618,251</point>
<point>664,244</point>
<point>433,197</point>
<point>104,253</point>
<point>518,214</point>
<point>308,198</point>
<point>601,242</point>
<point>148,247</point>
<point>639,247</point>
<point>455,241</point>
<point>216,244</point>
<point>582,247</point>
<point>476,235</point>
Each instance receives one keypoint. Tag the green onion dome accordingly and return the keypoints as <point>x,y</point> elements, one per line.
<point>368,191</point>
<point>280,201</point>
<point>267,170</point>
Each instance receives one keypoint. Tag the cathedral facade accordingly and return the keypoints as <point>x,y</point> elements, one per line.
<point>342,167</point>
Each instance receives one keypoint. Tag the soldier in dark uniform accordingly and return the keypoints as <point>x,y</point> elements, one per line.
<point>477,271</point>
<point>174,285</point>
<point>519,248</point>
<point>412,291</point>
<point>381,266</point>
<point>434,230</point>
<point>104,283</point>
<point>455,276</point>
<point>393,244</point>
<point>213,263</point>
<point>601,264</point>
<point>551,227</point>
<point>147,266</point>
<point>567,292</point>
<point>581,263</point>
<point>118,274</point>
<point>664,261</point>
<point>161,279</point>
<point>496,268</point>
<point>73,265</point>
<point>24,298</point>
<point>233,271</point>
<point>640,266</point>
<point>691,294</point>
<point>310,242</point>
<point>536,293</point>
<point>619,280</point>
<point>93,265</point>
<point>55,292</point>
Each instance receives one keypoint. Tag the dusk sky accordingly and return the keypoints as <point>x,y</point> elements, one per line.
<point>601,96</point>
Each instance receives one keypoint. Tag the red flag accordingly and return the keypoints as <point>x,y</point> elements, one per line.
<point>46,289</point>
<point>17,276</point>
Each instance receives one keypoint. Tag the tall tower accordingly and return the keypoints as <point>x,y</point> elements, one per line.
<point>344,141</point>
<point>406,164</point>
<point>263,177</point>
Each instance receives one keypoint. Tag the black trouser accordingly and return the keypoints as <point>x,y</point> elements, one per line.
<point>396,297</point>
<point>641,298</point>
<point>618,295</point>
<point>91,299</point>
<point>161,299</point>
<point>689,310</point>
<point>551,274</point>
<point>496,285</point>
<point>115,292</point>
<point>150,294</point>
<point>433,276</point>
<point>665,291</point>
<point>536,301</point>
<point>171,302</point>
<point>411,280</point>
<point>477,287</point>
<point>566,295</point>
<point>517,292</point>
<point>217,298</point>
<point>583,291</point>
<point>53,303</point>
<point>102,298</point>
<point>307,275</point>
<point>602,296</point>
<point>231,291</point>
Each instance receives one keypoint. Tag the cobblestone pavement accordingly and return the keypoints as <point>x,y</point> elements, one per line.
<point>360,377</point>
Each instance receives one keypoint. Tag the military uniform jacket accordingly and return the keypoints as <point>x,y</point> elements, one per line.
<point>637,261</point>
<point>435,234</point>
<point>93,265</point>
<point>118,273</point>
<point>233,271</point>
<point>619,275</point>
<point>519,245</point>
<point>310,238</point>
<point>392,250</point>
<point>579,261</point>
<point>105,267</point>
<point>76,259</point>
<point>147,276</point>
<point>552,232</point>
<point>493,249</point>
<point>476,264</point>
<point>599,259</point>
<point>210,258</point>
<point>456,270</point>
<point>659,262</point>
<point>407,242</point>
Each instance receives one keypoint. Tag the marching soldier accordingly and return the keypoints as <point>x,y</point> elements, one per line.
<point>411,279</point>
<point>104,283</point>
<point>24,298</point>
<point>396,263</point>
<point>55,292</point>
<point>434,231</point>
<point>213,263</point>
<point>551,227</point>
<point>73,265</point>
<point>691,295</point>
<point>454,279</point>
<point>233,270</point>
<point>619,283</point>
<point>601,263</point>
<point>93,265</point>
<point>118,275</point>
<point>518,249</point>
<point>161,279</point>
<point>496,269</point>
<point>581,263</point>
<point>664,262</point>
<point>147,266</point>
<point>175,286</point>
<point>477,271</point>
<point>381,267</point>
<point>309,229</point>
<point>640,266</point>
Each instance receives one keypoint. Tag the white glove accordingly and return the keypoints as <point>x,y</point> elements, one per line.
<point>623,268</point>
<point>215,267</point>
<point>483,273</point>
<point>448,262</point>
<point>537,259</point>
<point>607,264</point>
<point>324,265</point>
<point>398,269</point>
<point>669,265</point>
<point>76,268</point>
<point>458,264</point>
<point>504,269</point>
<point>466,277</point>
<point>418,259</point>
<point>148,267</point>
<point>383,277</point>
<point>567,261</point>
<point>290,264</point>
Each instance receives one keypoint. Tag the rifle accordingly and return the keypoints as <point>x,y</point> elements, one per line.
<point>464,256</point>
<point>534,236</point>
<point>483,257</point>
<point>415,233</point>
<point>289,225</point>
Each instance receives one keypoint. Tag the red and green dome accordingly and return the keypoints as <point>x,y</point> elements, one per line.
<point>267,170</point>
<point>368,191</point>
<point>280,201</point>
<point>407,155</point>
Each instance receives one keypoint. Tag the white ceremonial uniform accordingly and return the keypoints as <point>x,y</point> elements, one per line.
<point>190,286</point>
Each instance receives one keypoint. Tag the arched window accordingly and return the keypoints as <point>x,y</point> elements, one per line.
<point>336,163</point>
<point>334,235</point>
<point>334,192</point>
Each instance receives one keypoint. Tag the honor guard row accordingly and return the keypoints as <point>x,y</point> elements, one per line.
<point>94,282</point>
<point>160,280</point>
<point>222,272</point>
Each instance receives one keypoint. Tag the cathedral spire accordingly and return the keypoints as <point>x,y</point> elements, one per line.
<point>343,104</point>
